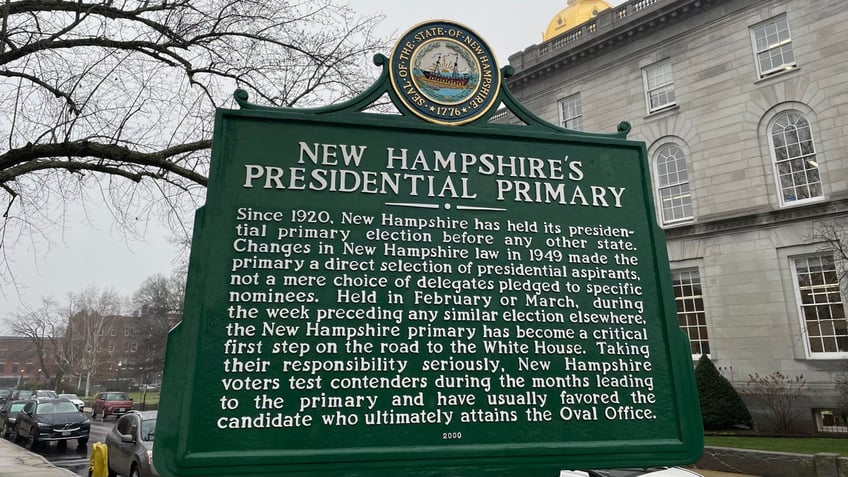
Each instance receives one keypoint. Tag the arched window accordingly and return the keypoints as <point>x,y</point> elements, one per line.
<point>673,184</point>
<point>795,163</point>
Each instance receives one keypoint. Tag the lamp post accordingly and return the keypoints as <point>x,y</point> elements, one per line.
<point>19,378</point>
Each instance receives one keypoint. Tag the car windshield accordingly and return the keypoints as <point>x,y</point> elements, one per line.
<point>59,407</point>
<point>117,397</point>
<point>68,396</point>
<point>24,394</point>
<point>15,407</point>
<point>46,394</point>
<point>148,427</point>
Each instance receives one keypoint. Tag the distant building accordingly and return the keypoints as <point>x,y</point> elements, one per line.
<point>128,354</point>
<point>18,361</point>
<point>743,105</point>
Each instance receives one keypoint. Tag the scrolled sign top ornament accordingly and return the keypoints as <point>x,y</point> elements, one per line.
<point>444,73</point>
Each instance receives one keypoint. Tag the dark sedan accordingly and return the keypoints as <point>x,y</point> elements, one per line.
<point>8,415</point>
<point>48,420</point>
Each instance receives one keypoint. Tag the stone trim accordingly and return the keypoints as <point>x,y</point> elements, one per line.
<point>772,464</point>
<point>708,226</point>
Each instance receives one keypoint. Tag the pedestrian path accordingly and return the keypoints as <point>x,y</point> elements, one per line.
<point>15,461</point>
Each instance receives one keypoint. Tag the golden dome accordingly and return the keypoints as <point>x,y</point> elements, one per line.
<point>577,12</point>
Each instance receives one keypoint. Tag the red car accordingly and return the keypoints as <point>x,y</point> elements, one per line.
<point>111,404</point>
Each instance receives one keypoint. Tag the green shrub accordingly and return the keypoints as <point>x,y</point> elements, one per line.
<point>721,406</point>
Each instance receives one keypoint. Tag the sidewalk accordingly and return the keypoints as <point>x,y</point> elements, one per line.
<point>15,461</point>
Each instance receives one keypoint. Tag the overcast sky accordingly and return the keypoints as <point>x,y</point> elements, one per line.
<point>92,252</point>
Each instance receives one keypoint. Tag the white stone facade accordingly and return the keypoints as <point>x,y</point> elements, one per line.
<point>738,226</point>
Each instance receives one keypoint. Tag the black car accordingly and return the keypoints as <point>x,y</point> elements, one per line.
<point>47,420</point>
<point>8,415</point>
<point>5,393</point>
<point>22,394</point>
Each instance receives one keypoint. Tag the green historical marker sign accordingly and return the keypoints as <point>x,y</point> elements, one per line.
<point>425,294</point>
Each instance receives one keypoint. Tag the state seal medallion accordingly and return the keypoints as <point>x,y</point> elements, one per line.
<point>444,73</point>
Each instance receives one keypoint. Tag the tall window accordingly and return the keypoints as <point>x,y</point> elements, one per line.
<point>571,112</point>
<point>673,184</point>
<point>690,309</point>
<point>822,306</point>
<point>659,86</point>
<point>795,161</point>
<point>773,46</point>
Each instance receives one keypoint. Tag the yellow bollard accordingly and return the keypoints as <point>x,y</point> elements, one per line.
<point>99,465</point>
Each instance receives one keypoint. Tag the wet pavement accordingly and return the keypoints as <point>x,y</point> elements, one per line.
<point>55,459</point>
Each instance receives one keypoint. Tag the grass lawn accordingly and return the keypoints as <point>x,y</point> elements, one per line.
<point>798,445</point>
<point>151,398</point>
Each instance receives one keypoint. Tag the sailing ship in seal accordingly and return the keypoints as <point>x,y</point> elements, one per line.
<point>445,73</point>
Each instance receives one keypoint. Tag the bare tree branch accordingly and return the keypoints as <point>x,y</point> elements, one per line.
<point>128,90</point>
<point>25,160</point>
<point>55,91</point>
<point>43,328</point>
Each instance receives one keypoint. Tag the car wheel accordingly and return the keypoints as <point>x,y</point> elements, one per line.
<point>134,471</point>
<point>32,442</point>
<point>112,472</point>
<point>6,431</point>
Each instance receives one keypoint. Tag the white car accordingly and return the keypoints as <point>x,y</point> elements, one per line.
<point>74,399</point>
<point>651,472</point>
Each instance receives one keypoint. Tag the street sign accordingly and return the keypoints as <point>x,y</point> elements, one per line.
<point>427,293</point>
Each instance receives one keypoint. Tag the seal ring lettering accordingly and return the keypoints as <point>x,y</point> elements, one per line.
<point>444,73</point>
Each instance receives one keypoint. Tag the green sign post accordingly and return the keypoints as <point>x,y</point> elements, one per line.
<point>425,294</point>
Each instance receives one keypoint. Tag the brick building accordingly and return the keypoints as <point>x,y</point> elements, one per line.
<point>127,354</point>
<point>18,361</point>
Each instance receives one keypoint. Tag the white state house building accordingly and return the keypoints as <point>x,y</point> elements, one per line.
<point>743,105</point>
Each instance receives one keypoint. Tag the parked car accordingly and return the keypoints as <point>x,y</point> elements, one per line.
<point>8,415</point>
<point>650,472</point>
<point>5,394</point>
<point>111,403</point>
<point>48,420</point>
<point>79,403</point>
<point>46,393</point>
<point>130,445</point>
<point>22,394</point>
